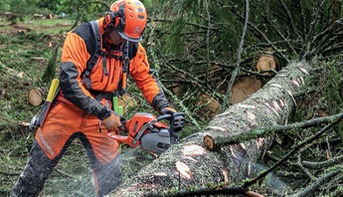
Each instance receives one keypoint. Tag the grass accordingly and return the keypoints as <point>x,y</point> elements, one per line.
<point>50,26</point>
<point>19,43</point>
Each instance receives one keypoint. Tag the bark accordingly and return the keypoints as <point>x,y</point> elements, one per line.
<point>205,160</point>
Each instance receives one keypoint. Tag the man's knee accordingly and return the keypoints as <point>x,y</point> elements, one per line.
<point>37,170</point>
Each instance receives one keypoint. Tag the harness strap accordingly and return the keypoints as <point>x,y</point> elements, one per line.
<point>129,51</point>
<point>126,69</point>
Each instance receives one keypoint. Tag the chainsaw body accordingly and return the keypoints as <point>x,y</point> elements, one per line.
<point>149,132</point>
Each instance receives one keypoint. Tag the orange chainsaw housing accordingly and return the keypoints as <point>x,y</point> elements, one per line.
<point>134,125</point>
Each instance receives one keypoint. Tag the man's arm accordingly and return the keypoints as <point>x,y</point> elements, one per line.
<point>139,69</point>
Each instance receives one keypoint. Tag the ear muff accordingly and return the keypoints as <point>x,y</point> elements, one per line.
<point>109,20</point>
<point>121,24</point>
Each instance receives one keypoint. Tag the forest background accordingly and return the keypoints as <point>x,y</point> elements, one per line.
<point>207,54</point>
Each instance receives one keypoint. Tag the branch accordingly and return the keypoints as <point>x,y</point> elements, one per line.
<point>193,79</point>
<point>182,106</point>
<point>263,132</point>
<point>207,43</point>
<point>327,39</point>
<point>180,103</point>
<point>289,15</point>
<point>299,164</point>
<point>295,149</point>
<point>323,164</point>
<point>308,191</point>
<point>277,51</point>
<point>308,55</point>
<point>239,52</point>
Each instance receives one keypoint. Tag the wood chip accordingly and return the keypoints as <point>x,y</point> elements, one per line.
<point>276,85</point>
<point>193,150</point>
<point>183,170</point>
<point>246,106</point>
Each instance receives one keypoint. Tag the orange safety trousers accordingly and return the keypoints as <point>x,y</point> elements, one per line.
<point>64,123</point>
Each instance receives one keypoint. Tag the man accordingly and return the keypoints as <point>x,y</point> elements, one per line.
<point>82,108</point>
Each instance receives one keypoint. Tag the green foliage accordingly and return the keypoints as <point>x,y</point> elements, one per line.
<point>50,70</point>
<point>332,95</point>
<point>22,7</point>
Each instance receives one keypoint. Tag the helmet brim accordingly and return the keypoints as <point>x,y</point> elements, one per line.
<point>124,36</point>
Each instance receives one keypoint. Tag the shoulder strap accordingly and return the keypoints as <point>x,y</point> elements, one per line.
<point>93,26</point>
<point>97,52</point>
<point>130,49</point>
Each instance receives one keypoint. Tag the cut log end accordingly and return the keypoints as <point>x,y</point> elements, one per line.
<point>243,88</point>
<point>265,63</point>
<point>209,142</point>
<point>36,96</point>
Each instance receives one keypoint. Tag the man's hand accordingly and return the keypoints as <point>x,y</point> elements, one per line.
<point>112,123</point>
<point>167,110</point>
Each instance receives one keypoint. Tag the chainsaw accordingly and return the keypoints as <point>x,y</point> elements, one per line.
<point>150,132</point>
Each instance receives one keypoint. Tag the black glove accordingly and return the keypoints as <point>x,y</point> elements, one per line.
<point>167,110</point>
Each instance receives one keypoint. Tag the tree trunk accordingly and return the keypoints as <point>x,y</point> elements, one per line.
<point>204,159</point>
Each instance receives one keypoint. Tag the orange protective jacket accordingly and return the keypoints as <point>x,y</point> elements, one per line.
<point>104,78</point>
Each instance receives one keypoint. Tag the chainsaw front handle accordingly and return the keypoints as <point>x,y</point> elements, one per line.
<point>177,120</point>
<point>176,115</point>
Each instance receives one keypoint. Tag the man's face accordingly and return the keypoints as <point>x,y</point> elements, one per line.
<point>116,38</point>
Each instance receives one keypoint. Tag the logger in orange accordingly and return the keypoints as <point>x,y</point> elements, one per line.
<point>96,58</point>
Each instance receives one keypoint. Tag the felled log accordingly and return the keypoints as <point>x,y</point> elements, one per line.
<point>205,159</point>
<point>36,96</point>
<point>269,106</point>
<point>210,105</point>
